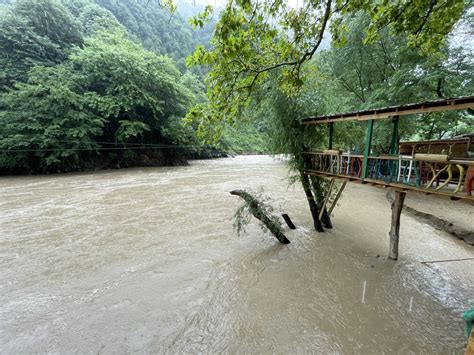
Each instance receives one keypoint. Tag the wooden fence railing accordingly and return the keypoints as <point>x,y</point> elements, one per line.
<point>431,172</point>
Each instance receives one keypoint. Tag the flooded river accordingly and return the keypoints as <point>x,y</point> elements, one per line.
<point>146,260</point>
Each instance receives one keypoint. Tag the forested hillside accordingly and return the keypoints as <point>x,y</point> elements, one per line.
<point>85,87</point>
<point>99,83</point>
<point>157,29</point>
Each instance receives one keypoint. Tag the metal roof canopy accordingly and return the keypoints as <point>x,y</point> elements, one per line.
<point>460,103</point>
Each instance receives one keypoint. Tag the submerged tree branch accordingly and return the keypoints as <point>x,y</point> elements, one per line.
<point>258,212</point>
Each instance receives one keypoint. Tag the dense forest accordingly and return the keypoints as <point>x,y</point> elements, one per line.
<point>88,84</point>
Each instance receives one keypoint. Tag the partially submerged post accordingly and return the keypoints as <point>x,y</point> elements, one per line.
<point>394,234</point>
<point>470,345</point>
<point>288,221</point>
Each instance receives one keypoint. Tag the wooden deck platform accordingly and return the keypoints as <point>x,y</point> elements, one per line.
<point>394,186</point>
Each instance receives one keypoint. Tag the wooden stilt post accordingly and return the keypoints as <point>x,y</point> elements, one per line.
<point>470,344</point>
<point>288,221</point>
<point>394,234</point>
<point>339,193</point>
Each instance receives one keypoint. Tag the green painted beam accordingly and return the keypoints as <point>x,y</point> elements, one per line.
<point>394,143</point>
<point>331,133</point>
<point>368,144</point>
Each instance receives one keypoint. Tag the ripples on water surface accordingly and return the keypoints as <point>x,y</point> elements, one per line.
<point>146,260</point>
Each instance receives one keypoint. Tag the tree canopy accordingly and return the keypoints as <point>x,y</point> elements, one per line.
<point>34,33</point>
<point>254,38</point>
<point>111,90</point>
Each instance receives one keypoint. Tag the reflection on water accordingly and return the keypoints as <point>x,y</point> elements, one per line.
<point>146,260</point>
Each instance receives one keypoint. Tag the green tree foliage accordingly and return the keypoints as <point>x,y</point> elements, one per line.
<point>245,137</point>
<point>158,30</point>
<point>252,39</point>
<point>34,32</point>
<point>74,75</point>
<point>45,121</point>
<point>387,72</point>
<point>111,90</point>
<point>133,84</point>
<point>362,75</point>
<point>91,17</point>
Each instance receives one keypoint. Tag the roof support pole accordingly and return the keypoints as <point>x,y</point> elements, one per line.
<point>368,144</point>
<point>331,133</point>
<point>394,142</point>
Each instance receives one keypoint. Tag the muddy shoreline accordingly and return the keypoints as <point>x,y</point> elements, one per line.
<point>438,223</point>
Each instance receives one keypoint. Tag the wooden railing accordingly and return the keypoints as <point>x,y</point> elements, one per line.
<point>433,173</point>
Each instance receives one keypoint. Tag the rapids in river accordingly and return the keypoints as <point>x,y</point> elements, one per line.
<point>146,260</point>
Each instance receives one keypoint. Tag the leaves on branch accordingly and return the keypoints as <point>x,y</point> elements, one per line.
<point>254,38</point>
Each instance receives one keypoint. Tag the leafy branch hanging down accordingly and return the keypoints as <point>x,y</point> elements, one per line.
<point>257,204</point>
<point>254,38</point>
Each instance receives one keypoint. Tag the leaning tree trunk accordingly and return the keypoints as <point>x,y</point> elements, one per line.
<point>311,201</point>
<point>258,213</point>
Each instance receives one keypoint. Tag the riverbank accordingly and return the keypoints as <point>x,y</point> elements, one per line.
<point>136,158</point>
<point>95,161</point>
<point>452,217</point>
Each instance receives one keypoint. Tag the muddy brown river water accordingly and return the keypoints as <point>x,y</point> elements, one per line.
<point>146,260</point>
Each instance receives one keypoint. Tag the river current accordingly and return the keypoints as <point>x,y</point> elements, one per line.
<point>146,260</point>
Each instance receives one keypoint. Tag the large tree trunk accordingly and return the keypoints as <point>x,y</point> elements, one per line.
<point>258,213</point>
<point>311,201</point>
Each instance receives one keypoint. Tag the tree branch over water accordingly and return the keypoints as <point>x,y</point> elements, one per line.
<point>260,211</point>
<point>254,39</point>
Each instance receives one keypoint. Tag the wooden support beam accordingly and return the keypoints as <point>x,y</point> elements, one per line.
<point>328,194</point>
<point>470,344</point>
<point>338,195</point>
<point>394,234</point>
<point>313,207</point>
<point>395,186</point>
